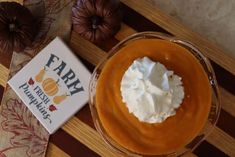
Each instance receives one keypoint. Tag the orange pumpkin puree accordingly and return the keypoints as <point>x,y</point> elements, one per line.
<point>176,131</point>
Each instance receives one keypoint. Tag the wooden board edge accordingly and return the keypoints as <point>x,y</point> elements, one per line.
<point>3,75</point>
<point>89,137</point>
<point>53,151</point>
<point>222,141</point>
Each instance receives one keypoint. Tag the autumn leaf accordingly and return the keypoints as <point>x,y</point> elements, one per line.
<point>2,155</point>
<point>28,132</point>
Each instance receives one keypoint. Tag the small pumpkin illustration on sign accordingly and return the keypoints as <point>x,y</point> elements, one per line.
<point>97,20</point>
<point>50,86</point>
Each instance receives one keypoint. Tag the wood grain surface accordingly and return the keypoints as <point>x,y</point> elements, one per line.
<point>18,1</point>
<point>176,28</point>
<point>53,150</point>
<point>78,136</point>
<point>3,75</point>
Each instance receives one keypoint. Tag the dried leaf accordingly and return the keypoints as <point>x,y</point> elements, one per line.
<point>27,131</point>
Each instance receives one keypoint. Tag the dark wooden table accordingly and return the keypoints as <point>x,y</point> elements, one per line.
<point>78,137</point>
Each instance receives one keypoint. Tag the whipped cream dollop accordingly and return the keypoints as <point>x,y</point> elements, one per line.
<point>150,91</point>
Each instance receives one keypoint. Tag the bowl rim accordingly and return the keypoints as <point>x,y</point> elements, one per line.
<point>163,36</point>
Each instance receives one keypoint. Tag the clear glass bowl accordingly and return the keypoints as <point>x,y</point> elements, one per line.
<point>215,107</point>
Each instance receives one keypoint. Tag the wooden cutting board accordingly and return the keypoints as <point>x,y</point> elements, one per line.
<point>78,136</point>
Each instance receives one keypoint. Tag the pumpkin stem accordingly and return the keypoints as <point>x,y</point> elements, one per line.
<point>57,82</point>
<point>45,68</point>
<point>95,20</point>
<point>12,27</point>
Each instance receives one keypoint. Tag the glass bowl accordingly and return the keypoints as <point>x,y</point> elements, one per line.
<point>215,106</point>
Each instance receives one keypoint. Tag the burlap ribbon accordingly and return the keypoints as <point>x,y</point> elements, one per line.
<point>21,134</point>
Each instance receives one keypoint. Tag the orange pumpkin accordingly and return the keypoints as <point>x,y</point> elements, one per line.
<point>50,86</point>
